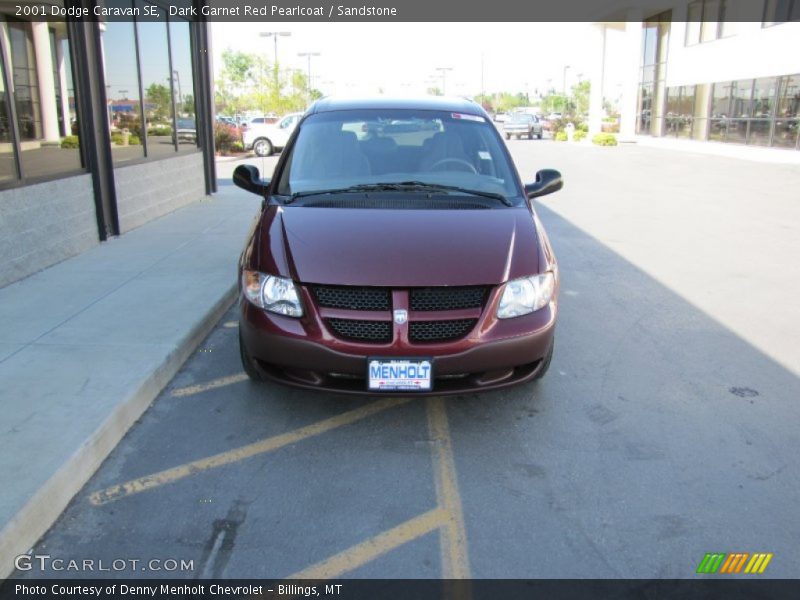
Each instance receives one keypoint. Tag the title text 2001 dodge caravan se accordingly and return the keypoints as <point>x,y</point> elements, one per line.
<point>397,252</point>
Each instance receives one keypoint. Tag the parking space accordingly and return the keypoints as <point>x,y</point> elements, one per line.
<point>665,429</point>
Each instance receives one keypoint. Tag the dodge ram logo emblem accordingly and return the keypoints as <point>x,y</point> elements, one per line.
<point>400,316</point>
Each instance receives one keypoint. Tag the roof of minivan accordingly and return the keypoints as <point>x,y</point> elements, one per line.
<point>452,104</point>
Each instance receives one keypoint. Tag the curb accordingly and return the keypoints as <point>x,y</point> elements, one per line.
<point>46,505</point>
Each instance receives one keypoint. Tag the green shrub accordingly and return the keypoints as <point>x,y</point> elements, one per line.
<point>605,139</point>
<point>237,147</point>
<point>70,142</point>
<point>134,140</point>
<point>116,138</point>
<point>579,135</point>
<point>584,127</point>
<point>561,136</point>
<point>161,130</point>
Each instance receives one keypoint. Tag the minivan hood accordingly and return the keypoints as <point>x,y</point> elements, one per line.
<point>387,247</point>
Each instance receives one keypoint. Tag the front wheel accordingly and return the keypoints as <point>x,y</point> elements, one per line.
<point>248,363</point>
<point>539,135</point>
<point>530,135</point>
<point>508,136</point>
<point>546,362</point>
<point>262,147</point>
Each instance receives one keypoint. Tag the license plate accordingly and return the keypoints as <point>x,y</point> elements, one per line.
<point>399,374</point>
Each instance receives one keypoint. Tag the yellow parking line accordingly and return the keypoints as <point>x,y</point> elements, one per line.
<point>211,385</point>
<point>455,559</point>
<point>372,548</point>
<point>147,482</point>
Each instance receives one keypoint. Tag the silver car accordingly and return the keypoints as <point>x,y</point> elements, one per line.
<point>523,124</point>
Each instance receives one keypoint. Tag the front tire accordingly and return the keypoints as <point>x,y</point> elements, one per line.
<point>508,136</point>
<point>539,135</point>
<point>248,363</point>
<point>263,147</point>
<point>530,135</point>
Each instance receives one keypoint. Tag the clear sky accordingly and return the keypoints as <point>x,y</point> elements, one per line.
<point>401,58</point>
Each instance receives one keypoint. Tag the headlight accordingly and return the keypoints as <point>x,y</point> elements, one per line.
<point>526,295</point>
<point>275,294</point>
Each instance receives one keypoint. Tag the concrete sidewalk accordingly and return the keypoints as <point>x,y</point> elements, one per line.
<point>87,344</point>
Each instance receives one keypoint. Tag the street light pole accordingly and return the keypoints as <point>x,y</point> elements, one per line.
<point>308,55</point>
<point>178,79</point>
<point>274,35</point>
<point>564,90</point>
<point>444,71</point>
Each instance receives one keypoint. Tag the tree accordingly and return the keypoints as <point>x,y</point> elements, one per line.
<point>248,82</point>
<point>160,98</point>
<point>580,97</point>
<point>187,107</point>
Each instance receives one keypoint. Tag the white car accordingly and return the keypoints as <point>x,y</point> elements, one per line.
<point>264,139</point>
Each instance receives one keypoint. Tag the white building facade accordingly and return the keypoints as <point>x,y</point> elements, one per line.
<point>692,71</point>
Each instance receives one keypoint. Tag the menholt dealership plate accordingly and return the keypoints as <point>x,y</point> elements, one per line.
<point>399,374</point>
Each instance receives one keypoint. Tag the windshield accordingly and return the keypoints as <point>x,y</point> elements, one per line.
<point>342,149</point>
<point>522,118</point>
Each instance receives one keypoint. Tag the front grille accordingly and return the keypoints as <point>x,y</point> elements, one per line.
<point>362,331</point>
<point>439,331</point>
<point>352,298</point>
<point>447,298</point>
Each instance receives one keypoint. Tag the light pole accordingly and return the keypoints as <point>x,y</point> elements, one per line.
<point>308,55</point>
<point>274,35</point>
<point>178,79</point>
<point>564,90</point>
<point>443,71</point>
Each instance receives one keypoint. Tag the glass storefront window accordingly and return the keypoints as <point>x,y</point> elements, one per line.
<point>8,165</point>
<point>694,15</point>
<point>780,11</point>
<point>741,92</point>
<point>181,46</point>
<point>679,119</point>
<point>26,86</point>
<point>156,78</point>
<point>122,87</point>
<point>787,122</point>
<point>38,54</point>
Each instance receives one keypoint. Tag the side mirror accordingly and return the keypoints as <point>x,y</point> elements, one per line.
<point>248,178</point>
<point>547,182</point>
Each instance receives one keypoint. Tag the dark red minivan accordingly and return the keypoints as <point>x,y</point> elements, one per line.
<point>397,251</point>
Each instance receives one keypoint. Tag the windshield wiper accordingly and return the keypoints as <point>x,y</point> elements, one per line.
<point>401,186</point>
<point>452,188</point>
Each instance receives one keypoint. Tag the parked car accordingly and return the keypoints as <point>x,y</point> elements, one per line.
<point>186,131</point>
<point>523,124</point>
<point>266,120</point>
<point>408,262</point>
<point>265,138</point>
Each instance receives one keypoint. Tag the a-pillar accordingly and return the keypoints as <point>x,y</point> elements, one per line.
<point>47,85</point>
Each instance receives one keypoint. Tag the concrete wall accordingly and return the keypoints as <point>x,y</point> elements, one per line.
<point>153,189</point>
<point>45,223</point>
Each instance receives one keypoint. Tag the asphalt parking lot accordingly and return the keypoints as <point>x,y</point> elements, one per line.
<point>665,429</point>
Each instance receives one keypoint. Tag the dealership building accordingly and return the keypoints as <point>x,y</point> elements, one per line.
<point>104,126</point>
<point>722,71</point>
